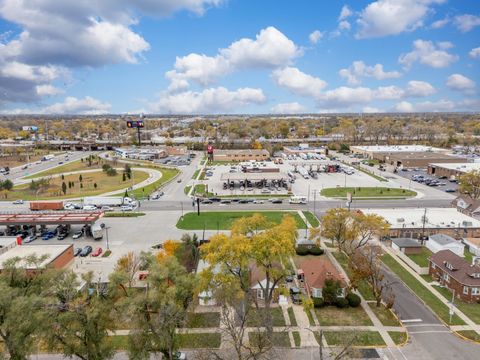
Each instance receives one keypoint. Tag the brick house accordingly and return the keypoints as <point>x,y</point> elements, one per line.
<point>468,206</point>
<point>314,272</point>
<point>456,274</point>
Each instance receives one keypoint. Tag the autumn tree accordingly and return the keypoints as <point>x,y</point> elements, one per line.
<point>470,184</point>
<point>128,265</point>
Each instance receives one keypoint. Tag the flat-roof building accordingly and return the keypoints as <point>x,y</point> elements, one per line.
<point>240,155</point>
<point>452,170</point>
<point>417,159</point>
<point>415,222</point>
<point>56,256</point>
<point>369,151</point>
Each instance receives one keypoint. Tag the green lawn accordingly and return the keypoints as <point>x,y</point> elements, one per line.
<point>312,219</point>
<point>370,192</point>
<point>470,334</point>
<point>203,320</point>
<point>296,338</point>
<point>421,291</point>
<point>398,337</point>
<point>104,184</point>
<point>76,165</point>
<point>186,190</point>
<point>362,338</point>
<point>468,255</point>
<point>224,220</point>
<point>200,341</point>
<point>195,174</point>
<point>200,190</point>
<point>256,317</point>
<point>291,315</point>
<point>349,316</point>
<point>279,339</point>
<point>385,316</point>
<point>167,175</point>
<point>471,310</point>
<point>362,286</point>
<point>310,317</point>
<point>379,178</point>
<point>422,258</point>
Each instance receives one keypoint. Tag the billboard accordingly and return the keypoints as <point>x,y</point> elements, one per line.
<point>135,124</point>
<point>30,128</point>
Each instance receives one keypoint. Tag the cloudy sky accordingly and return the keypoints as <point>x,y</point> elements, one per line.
<point>238,56</point>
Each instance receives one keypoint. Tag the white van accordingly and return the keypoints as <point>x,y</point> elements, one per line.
<point>298,200</point>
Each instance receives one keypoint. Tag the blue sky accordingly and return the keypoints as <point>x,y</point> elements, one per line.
<point>238,56</point>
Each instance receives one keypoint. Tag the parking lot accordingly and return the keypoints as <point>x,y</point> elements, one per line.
<point>298,170</point>
<point>421,176</point>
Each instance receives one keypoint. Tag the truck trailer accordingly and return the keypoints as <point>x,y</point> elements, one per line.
<point>46,205</point>
<point>100,201</point>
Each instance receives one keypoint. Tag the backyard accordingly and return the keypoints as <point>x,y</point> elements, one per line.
<point>211,220</point>
<point>422,258</point>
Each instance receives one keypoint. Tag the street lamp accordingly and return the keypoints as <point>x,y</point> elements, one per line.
<point>106,233</point>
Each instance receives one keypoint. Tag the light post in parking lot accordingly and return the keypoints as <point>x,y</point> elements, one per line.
<point>106,233</point>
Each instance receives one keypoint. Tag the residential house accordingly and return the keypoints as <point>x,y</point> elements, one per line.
<point>454,272</point>
<point>407,246</point>
<point>468,206</point>
<point>438,242</point>
<point>258,283</point>
<point>315,272</point>
<point>473,245</point>
<point>206,298</point>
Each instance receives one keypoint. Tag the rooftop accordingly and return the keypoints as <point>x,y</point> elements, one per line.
<point>22,251</point>
<point>253,176</point>
<point>319,269</point>
<point>462,167</point>
<point>406,243</point>
<point>435,218</point>
<point>457,267</point>
<point>398,148</point>
<point>59,217</point>
<point>442,239</point>
<point>240,151</point>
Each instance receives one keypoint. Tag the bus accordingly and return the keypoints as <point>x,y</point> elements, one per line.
<point>298,200</point>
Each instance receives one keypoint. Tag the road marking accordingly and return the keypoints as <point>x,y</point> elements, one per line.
<point>428,331</point>
<point>411,320</point>
<point>418,325</point>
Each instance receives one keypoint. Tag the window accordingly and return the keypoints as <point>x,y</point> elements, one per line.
<point>317,293</point>
<point>465,290</point>
<point>446,277</point>
<point>260,293</point>
<point>433,266</point>
<point>475,291</point>
<point>449,266</point>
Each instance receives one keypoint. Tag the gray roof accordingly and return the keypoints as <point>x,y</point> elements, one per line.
<point>442,239</point>
<point>406,243</point>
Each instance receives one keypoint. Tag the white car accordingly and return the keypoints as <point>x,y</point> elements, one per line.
<point>77,235</point>
<point>106,208</point>
<point>69,207</point>
<point>126,208</point>
<point>18,202</point>
<point>89,207</point>
<point>30,238</point>
<point>258,201</point>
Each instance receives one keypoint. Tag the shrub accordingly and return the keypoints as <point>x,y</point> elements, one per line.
<point>301,251</point>
<point>105,167</point>
<point>111,172</point>
<point>353,300</point>
<point>318,302</point>
<point>315,251</point>
<point>341,302</point>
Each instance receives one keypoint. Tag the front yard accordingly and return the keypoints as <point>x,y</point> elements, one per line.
<point>256,317</point>
<point>385,316</point>
<point>471,310</point>
<point>349,316</point>
<point>203,320</point>
<point>360,338</point>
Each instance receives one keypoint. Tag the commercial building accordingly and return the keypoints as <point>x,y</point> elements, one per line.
<point>452,171</point>
<point>241,155</point>
<point>417,223</point>
<point>454,272</point>
<point>54,256</point>
<point>417,159</point>
<point>380,151</point>
<point>303,149</point>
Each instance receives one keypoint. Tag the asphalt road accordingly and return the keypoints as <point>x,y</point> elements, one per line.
<point>17,172</point>
<point>430,339</point>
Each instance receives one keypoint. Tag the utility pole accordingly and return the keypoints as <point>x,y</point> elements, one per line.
<point>424,220</point>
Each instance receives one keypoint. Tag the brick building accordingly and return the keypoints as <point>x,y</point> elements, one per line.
<point>454,272</point>
<point>241,155</point>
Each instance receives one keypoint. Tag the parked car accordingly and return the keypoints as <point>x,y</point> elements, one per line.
<point>48,235</point>
<point>106,208</point>
<point>97,252</point>
<point>296,295</point>
<point>77,251</point>
<point>258,201</point>
<point>276,201</point>
<point>86,251</point>
<point>18,202</point>
<point>30,238</point>
<point>450,190</point>
<point>62,236</point>
<point>77,235</point>
<point>89,207</point>
<point>126,208</point>
<point>226,201</point>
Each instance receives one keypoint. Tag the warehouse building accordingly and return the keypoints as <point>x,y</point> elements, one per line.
<point>241,155</point>
<point>418,159</point>
<point>452,171</point>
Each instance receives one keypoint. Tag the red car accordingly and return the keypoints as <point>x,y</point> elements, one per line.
<point>97,252</point>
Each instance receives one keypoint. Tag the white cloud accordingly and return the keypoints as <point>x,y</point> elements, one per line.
<point>475,53</point>
<point>345,97</point>
<point>288,108</point>
<point>461,83</point>
<point>419,89</point>
<point>359,69</point>
<point>270,49</point>
<point>427,53</point>
<point>389,93</point>
<point>315,36</point>
<point>209,101</point>
<point>371,110</point>
<point>73,105</point>
<point>344,25</point>
<point>390,17</point>
<point>48,90</point>
<point>440,23</point>
<point>298,82</point>
<point>345,13</point>
<point>427,106</point>
<point>466,22</point>
<point>445,45</point>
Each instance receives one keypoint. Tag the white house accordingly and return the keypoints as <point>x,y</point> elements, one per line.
<point>439,242</point>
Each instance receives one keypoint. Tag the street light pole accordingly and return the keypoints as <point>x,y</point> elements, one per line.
<point>106,232</point>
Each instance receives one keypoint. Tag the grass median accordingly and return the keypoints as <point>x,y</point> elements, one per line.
<point>213,220</point>
<point>312,219</point>
<point>368,192</point>
<point>437,306</point>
